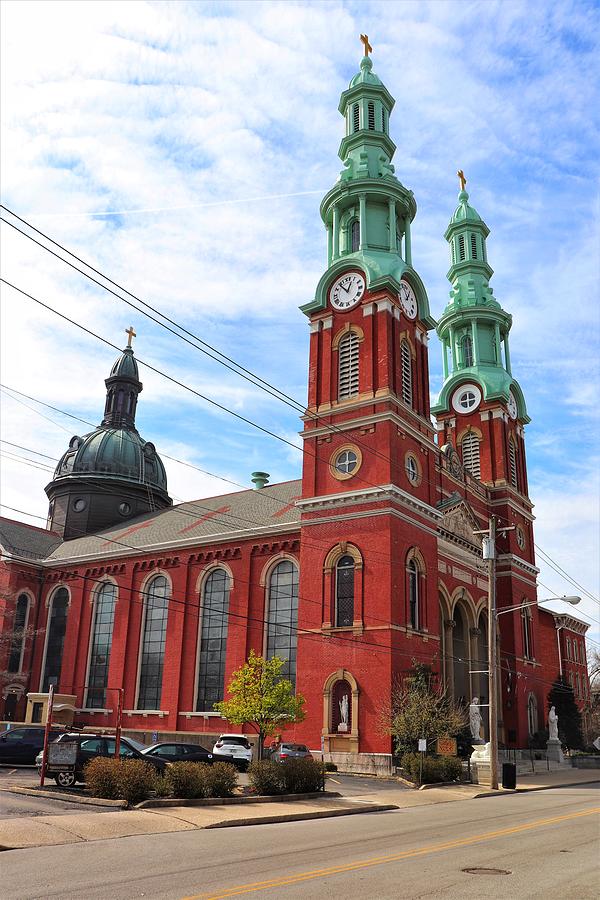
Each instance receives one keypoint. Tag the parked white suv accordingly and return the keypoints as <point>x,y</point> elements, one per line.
<point>234,748</point>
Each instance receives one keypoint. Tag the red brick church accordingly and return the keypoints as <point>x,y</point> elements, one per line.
<point>369,561</point>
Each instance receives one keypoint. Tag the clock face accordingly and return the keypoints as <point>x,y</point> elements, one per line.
<point>408,300</point>
<point>347,290</point>
<point>512,406</point>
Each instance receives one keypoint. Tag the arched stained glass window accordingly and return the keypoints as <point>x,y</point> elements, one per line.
<point>348,366</point>
<point>103,618</point>
<point>413,594</point>
<point>467,350</point>
<point>355,236</point>
<point>213,640</point>
<point>154,634</point>
<point>55,638</point>
<point>17,642</point>
<point>344,592</point>
<point>282,617</point>
<point>527,633</point>
<point>406,363</point>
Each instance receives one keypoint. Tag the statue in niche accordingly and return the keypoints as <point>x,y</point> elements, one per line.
<point>553,724</point>
<point>343,705</point>
<point>475,720</point>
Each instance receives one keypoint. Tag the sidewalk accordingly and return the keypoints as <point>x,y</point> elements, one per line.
<point>39,831</point>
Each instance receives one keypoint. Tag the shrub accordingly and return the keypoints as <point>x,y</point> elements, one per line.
<point>122,779</point>
<point>188,780</point>
<point>102,779</point>
<point>266,777</point>
<point>162,786</point>
<point>303,776</point>
<point>221,778</point>
<point>435,769</point>
<point>330,767</point>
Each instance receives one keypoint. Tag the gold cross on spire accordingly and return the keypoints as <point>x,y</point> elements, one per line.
<point>462,179</point>
<point>365,39</point>
<point>131,334</point>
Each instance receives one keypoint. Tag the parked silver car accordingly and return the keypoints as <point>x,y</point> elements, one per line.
<point>283,752</point>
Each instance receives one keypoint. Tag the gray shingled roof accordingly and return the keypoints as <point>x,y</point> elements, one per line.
<point>27,541</point>
<point>210,520</point>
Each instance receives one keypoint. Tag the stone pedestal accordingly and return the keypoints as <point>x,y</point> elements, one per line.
<point>481,763</point>
<point>554,751</point>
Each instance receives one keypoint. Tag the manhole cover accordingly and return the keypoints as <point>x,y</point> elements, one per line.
<point>479,870</point>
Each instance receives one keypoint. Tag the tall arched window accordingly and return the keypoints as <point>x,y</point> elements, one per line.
<point>460,652</point>
<point>470,454</point>
<point>355,236</point>
<point>413,594</point>
<point>532,715</point>
<point>348,366</point>
<point>213,640</point>
<point>154,634</point>
<point>512,462</point>
<point>103,618</point>
<point>344,592</point>
<point>527,633</point>
<point>467,350</point>
<point>55,638</point>
<point>282,619</point>
<point>17,642</point>
<point>406,363</point>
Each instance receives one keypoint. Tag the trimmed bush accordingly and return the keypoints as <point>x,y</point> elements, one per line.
<point>120,779</point>
<point>435,769</point>
<point>188,780</point>
<point>266,777</point>
<point>102,778</point>
<point>303,776</point>
<point>330,767</point>
<point>221,779</point>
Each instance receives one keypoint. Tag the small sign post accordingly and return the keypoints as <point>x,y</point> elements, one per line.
<point>422,750</point>
<point>446,746</point>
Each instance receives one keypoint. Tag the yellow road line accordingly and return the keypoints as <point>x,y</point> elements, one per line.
<point>381,860</point>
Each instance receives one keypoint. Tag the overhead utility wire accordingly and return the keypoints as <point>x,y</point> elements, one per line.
<point>239,369</point>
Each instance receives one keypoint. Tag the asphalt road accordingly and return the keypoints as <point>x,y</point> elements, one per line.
<point>538,845</point>
<point>12,805</point>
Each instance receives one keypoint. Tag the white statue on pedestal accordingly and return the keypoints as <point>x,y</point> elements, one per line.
<point>343,704</point>
<point>552,724</point>
<point>475,719</point>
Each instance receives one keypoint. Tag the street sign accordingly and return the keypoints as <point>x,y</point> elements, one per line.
<point>422,745</point>
<point>62,753</point>
<point>446,746</point>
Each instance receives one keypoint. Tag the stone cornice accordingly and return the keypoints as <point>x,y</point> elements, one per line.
<point>387,416</point>
<point>386,492</point>
<point>518,563</point>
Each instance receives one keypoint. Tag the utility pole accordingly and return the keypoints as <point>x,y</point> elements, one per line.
<point>492,628</point>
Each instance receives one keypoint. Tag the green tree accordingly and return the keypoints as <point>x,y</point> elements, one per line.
<point>260,697</point>
<point>561,696</point>
<point>421,708</point>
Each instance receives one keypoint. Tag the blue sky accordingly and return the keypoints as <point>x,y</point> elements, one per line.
<point>212,131</point>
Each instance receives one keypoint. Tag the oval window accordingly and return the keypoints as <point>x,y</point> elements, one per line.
<point>412,469</point>
<point>124,509</point>
<point>346,462</point>
<point>79,505</point>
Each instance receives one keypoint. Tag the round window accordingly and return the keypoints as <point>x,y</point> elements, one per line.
<point>79,505</point>
<point>412,469</point>
<point>467,398</point>
<point>520,537</point>
<point>346,462</point>
<point>124,509</point>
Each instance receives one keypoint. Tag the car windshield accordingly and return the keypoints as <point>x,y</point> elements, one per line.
<point>137,744</point>
<point>297,748</point>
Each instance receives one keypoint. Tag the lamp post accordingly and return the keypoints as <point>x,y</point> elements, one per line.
<point>489,554</point>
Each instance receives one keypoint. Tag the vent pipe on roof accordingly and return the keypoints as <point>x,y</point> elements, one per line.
<point>259,479</point>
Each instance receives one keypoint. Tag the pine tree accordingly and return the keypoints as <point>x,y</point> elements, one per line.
<point>561,696</point>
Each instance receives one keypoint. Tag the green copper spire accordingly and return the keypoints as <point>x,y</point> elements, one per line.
<point>474,328</point>
<point>368,212</point>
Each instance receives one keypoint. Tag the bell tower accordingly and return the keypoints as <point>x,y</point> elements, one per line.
<point>481,409</point>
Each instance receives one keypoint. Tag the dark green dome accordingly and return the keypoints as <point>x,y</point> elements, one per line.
<point>125,366</point>
<point>114,453</point>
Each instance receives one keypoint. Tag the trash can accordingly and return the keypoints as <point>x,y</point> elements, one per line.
<point>509,776</point>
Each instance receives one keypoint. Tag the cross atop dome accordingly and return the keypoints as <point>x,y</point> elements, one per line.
<point>130,335</point>
<point>365,40</point>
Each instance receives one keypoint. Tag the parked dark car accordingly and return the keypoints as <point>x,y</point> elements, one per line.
<point>89,746</point>
<point>179,752</point>
<point>282,752</point>
<point>20,746</point>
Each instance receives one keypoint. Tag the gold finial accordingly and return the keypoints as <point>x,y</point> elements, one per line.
<point>365,39</point>
<point>130,334</point>
<point>462,179</point>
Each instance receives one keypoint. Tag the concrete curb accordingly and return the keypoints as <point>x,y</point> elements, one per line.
<point>528,790</point>
<point>299,817</point>
<point>166,802</point>
<point>66,798</point>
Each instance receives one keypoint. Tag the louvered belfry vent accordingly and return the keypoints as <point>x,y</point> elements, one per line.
<point>348,366</point>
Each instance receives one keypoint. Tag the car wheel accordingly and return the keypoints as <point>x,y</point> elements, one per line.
<point>65,779</point>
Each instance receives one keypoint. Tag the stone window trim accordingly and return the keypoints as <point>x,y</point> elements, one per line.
<point>269,615</point>
<point>205,573</point>
<point>527,630</point>
<point>93,599</point>
<point>344,548</point>
<point>419,469</point>
<point>52,593</point>
<point>24,592</point>
<point>415,560</point>
<point>471,429</point>
<point>358,331</point>
<point>142,593</point>
<point>344,476</point>
<point>97,587</point>
<point>406,336</point>
<point>201,584</point>
<point>330,682</point>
